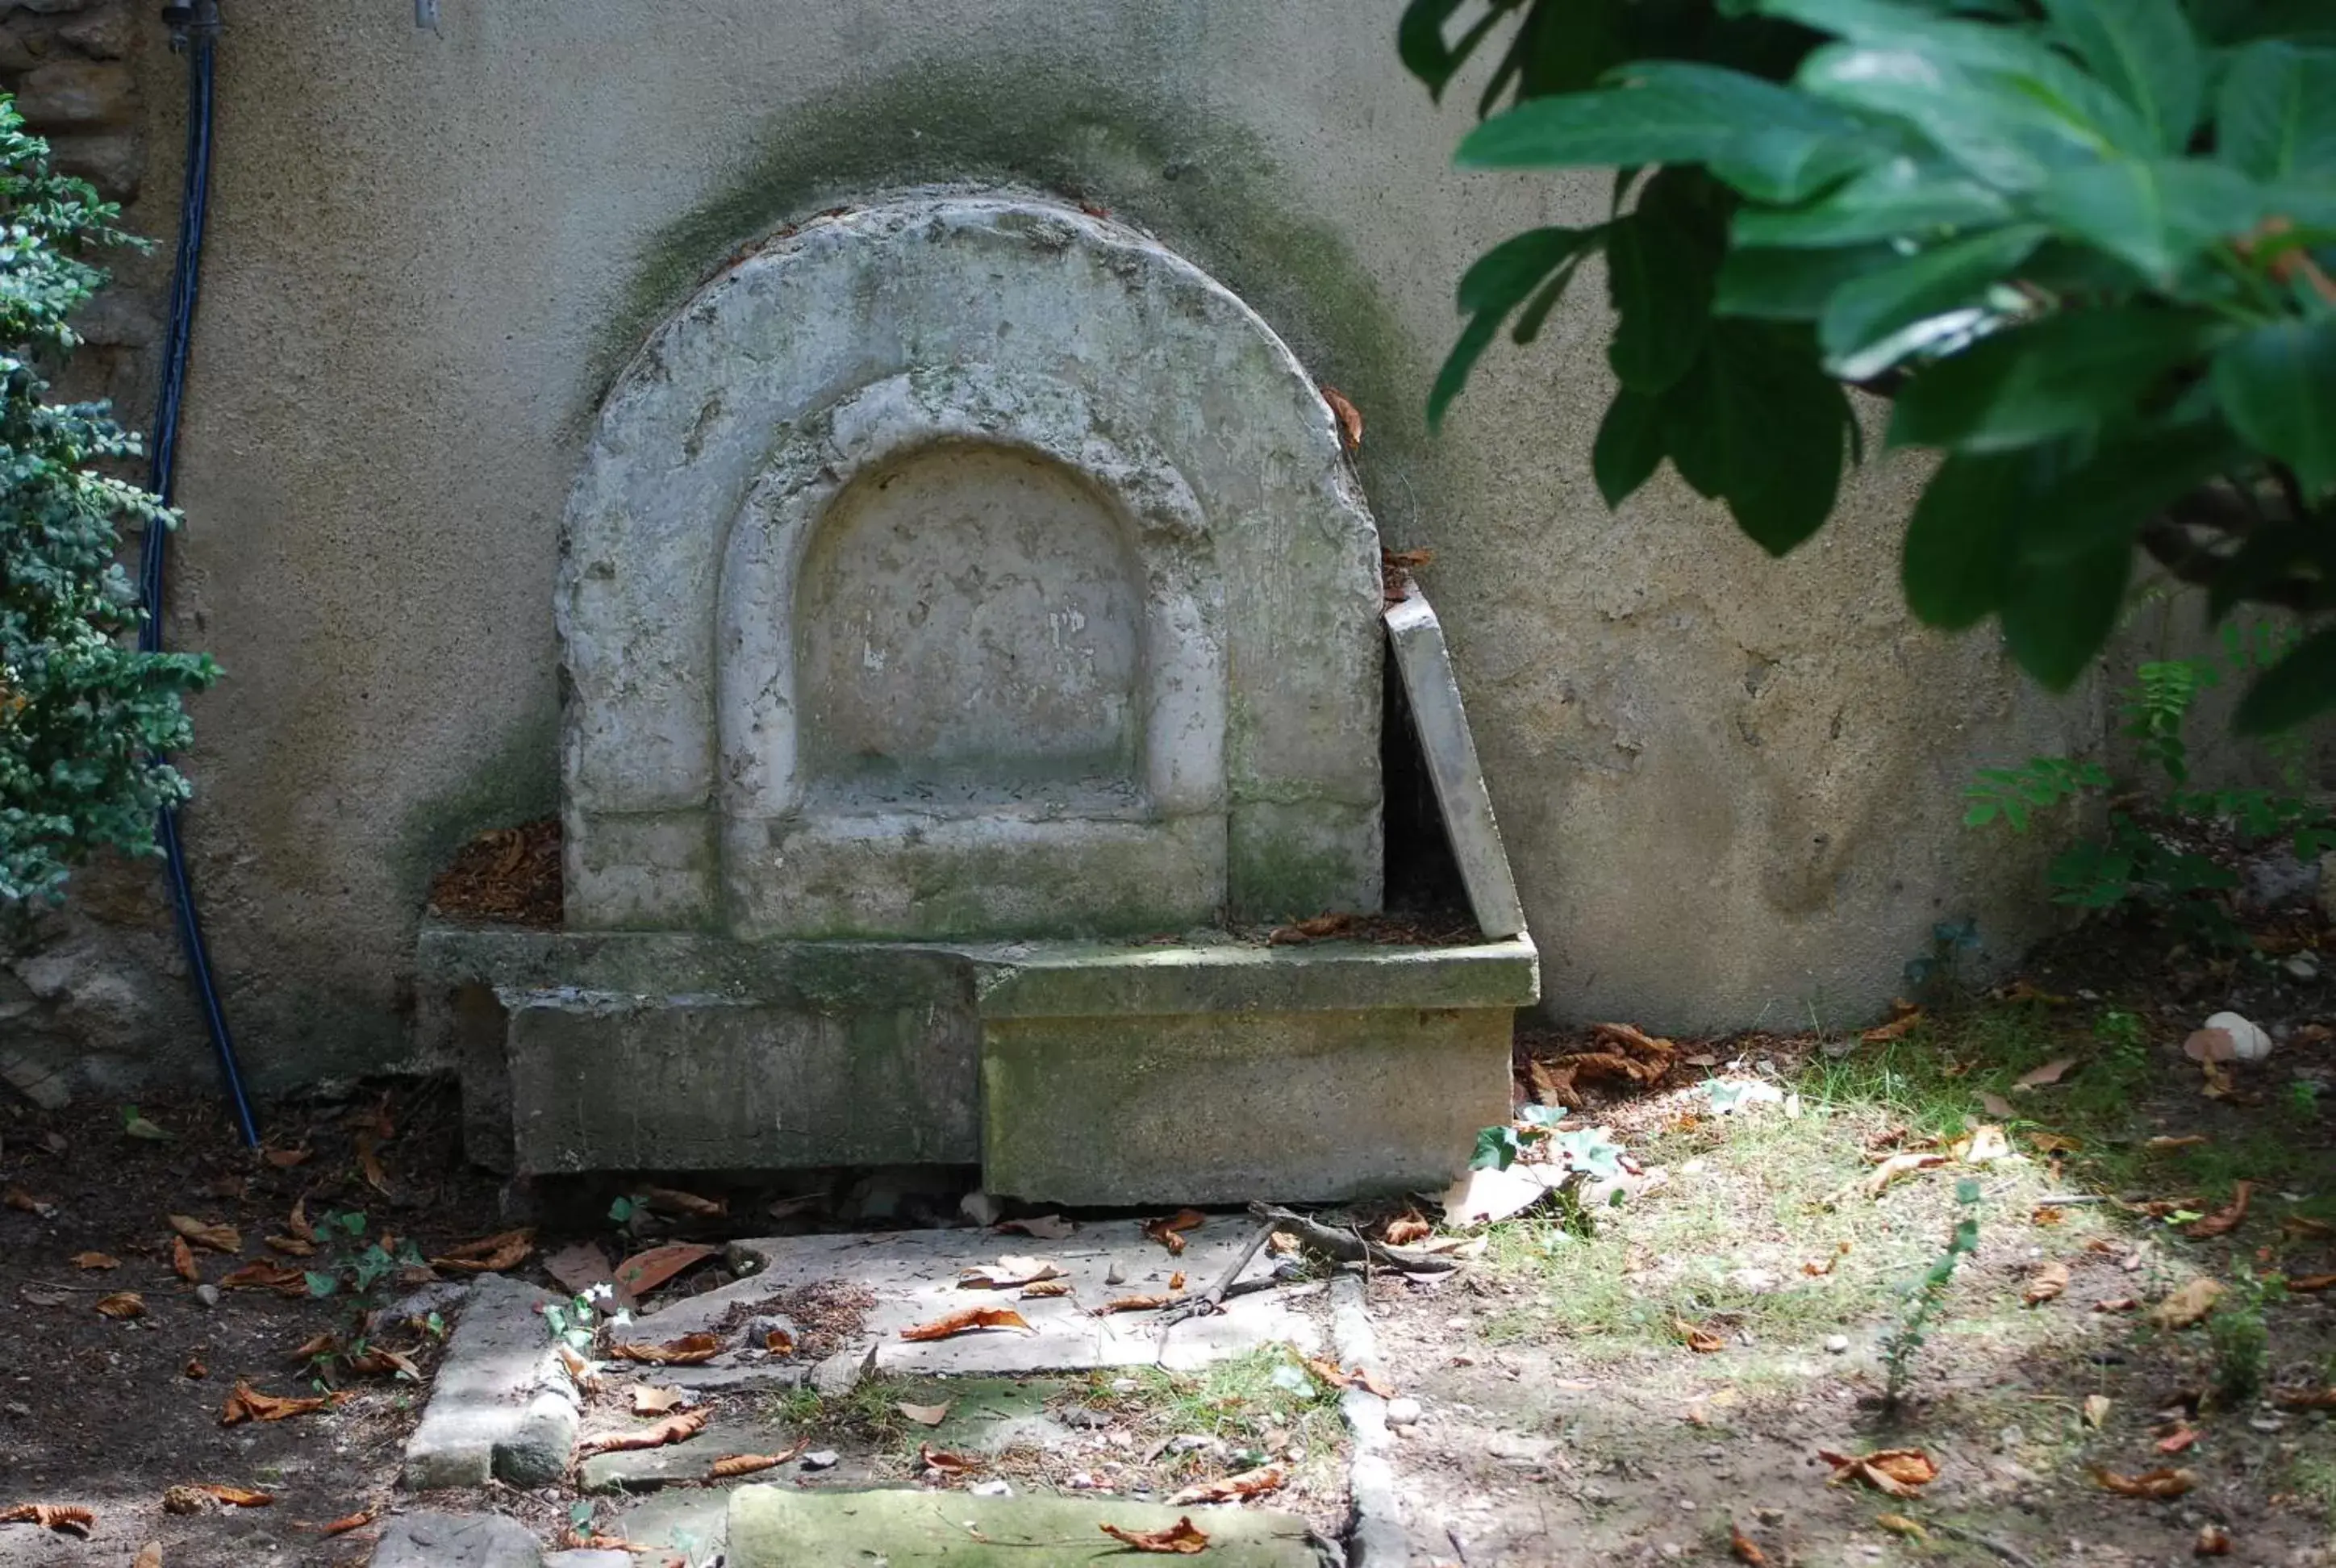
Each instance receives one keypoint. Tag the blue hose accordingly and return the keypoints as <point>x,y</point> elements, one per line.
<point>195,33</point>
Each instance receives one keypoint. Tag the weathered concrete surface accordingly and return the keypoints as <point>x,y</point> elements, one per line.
<point>676,1463</point>
<point>430,253</point>
<point>456,1540</point>
<point>1059,536</point>
<point>1423,661</point>
<point>670,1051</point>
<point>914,1275</point>
<point>502,1405</point>
<point>772,1527</point>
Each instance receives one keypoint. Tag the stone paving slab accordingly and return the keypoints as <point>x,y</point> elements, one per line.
<point>501,1407</point>
<point>913,1275</point>
<point>456,1541</point>
<point>777,1527</point>
<point>649,1469</point>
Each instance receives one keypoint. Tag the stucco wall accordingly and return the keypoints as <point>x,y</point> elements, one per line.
<point>1729,786</point>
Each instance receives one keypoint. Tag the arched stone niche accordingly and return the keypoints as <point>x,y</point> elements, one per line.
<point>967,567</point>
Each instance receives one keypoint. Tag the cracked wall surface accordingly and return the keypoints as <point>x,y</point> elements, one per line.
<point>1729,786</point>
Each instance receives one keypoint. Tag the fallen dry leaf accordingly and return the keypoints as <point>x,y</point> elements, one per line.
<point>122,1304</point>
<point>1040,1227</point>
<point>1899,1524</point>
<point>285,1159</point>
<point>2187,1140</point>
<point>2181,1437</point>
<point>1233,1488</point>
<point>2188,1305</point>
<point>1043,1288</point>
<point>346,1522</point>
<point>2304,1284</point>
<point>2052,1143</point>
<point>2050,1072</point>
<point>218,1238</point>
<point>316,1345</point>
<point>2046,1283</point>
<point>1337,1377</point>
<point>263,1275</point>
<point>492,1255</point>
<point>380,1363</point>
<point>966,1321</point>
<point>1996,1106</point>
<point>1986,1144</point>
<point>642,1272</point>
<point>23,1202</point>
<point>150,1555</point>
<point>926,1415</point>
<point>779,1342</point>
<point>730,1465</point>
<point>1696,1337</point>
<point>182,1261</point>
<point>195,1369</point>
<point>650,1401</point>
<point>1820,1269</point>
<point>1134,1304</point>
<point>1899,1471</point>
<point>292,1246</point>
<point>674,1201</point>
<point>1010,1273</point>
<point>1898,1165</point>
<point>1349,418</point>
<point>2047,1214</point>
<point>234,1496</point>
<point>95,1261</point>
<point>688,1350</point>
<point>2298,1225</point>
<point>580,1269</point>
<point>2224,1220</point>
<point>248,1404</point>
<point>369,1163</point>
<point>1744,1548</point>
<point>949,1464</point>
<point>678,1427</point>
<point>65,1518</point>
<point>1897,1028</point>
<point>1406,1229</point>
<point>2116,1304</point>
<point>2096,1410</point>
<point>1169,1231</point>
<point>2305,1398</point>
<point>297,1221</point>
<point>2214,1541</point>
<point>2156,1484</point>
<point>1178,1540</point>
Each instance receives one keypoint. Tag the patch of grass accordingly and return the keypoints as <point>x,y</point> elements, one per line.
<point>2312,1476</point>
<point>1242,1402</point>
<point>868,1415</point>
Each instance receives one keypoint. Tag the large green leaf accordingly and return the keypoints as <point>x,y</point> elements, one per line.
<point>2156,215</point>
<point>2057,614</point>
<point>1771,137</point>
<point>2128,480</point>
<point>2277,384</point>
<point>1629,448</point>
<point>2067,372</point>
<point>2145,51</point>
<point>2275,117</point>
<point>1898,197</point>
<point>1756,424</point>
<point>1931,283</point>
<point>1420,41</point>
<point>2296,688</point>
<point>1660,262</point>
<point>1791,285</point>
<point>1500,279</point>
<point>1960,539</point>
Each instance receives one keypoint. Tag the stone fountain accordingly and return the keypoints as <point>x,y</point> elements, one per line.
<point>971,624</point>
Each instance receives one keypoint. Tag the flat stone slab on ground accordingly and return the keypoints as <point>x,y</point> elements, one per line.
<point>456,1541</point>
<point>694,1523</point>
<point>501,1407</point>
<point>913,1275</point>
<point>777,1527</point>
<point>648,1469</point>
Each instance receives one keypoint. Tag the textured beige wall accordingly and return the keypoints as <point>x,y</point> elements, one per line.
<point>1729,786</point>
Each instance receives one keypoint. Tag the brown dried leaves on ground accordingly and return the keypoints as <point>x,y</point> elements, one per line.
<point>968,1322</point>
<point>1182,1539</point>
<point>678,1427</point>
<point>688,1350</point>
<point>1898,1472</point>
<point>65,1518</point>
<point>508,874</point>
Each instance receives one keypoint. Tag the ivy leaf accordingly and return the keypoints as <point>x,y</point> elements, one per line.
<point>2277,384</point>
<point>2299,686</point>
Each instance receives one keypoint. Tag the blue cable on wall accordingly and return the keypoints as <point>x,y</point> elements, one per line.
<point>194,32</point>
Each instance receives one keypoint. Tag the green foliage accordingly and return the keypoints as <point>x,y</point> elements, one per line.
<point>1585,1152</point>
<point>2129,861</point>
<point>2085,245</point>
<point>83,716</point>
<point>1927,1296</point>
<point>2241,1341</point>
<point>348,1263</point>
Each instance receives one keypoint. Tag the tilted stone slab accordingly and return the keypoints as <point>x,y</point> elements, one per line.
<point>776,1528</point>
<point>502,1405</point>
<point>1441,723</point>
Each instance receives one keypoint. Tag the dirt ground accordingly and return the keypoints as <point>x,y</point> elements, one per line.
<point>1639,1383</point>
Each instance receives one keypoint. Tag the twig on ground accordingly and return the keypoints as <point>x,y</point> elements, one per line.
<point>1348,1248</point>
<point>2069,1199</point>
<point>1213,1299</point>
<point>2011,1554</point>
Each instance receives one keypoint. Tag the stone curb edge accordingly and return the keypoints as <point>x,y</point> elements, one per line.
<point>1377,1539</point>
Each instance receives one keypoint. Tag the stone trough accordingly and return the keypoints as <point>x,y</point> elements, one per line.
<point>969,617</point>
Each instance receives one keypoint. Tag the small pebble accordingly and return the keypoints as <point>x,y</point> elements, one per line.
<point>1402,1412</point>
<point>824,1459</point>
<point>1114,1275</point>
<point>1124,1384</point>
<point>1455,1324</point>
<point>1837,1343</point>
<point>1079,1481</point>
<point>1670,1552</point>
<point>208,1295</point>
<point>990,1489</point>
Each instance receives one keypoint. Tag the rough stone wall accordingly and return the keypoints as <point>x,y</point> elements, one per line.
<point>1729,786</point>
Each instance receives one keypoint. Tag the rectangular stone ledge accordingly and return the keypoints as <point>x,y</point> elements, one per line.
<point>1101,981</point>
